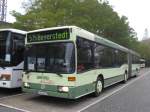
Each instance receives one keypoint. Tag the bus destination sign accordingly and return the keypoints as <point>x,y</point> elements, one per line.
<point>51,35</point>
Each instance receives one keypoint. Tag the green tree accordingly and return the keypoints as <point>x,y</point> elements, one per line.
<point>5,25</point>
<point>144,51</point>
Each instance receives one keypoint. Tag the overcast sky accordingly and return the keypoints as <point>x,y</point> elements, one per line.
<point>13,5</point>
<point>135,10</point>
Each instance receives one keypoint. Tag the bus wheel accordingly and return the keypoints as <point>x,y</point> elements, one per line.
<point>125,78</point>
<point>98,86</point>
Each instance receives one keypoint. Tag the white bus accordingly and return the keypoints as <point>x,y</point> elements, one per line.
<point>11,57</point>
<point>70,62</point>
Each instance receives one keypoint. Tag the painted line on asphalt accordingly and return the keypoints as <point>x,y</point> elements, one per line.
<point>5,97</point>
<point>11,107</point>
<point>103,98</point>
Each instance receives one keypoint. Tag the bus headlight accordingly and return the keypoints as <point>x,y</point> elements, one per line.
<point>26,84</point>
<point>5,77</point>
<point>63,89</point>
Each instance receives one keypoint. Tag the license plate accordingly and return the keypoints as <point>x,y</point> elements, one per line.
<point>42,93</point>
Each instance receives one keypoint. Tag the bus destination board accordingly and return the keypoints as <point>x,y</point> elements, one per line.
<point>49,35</point>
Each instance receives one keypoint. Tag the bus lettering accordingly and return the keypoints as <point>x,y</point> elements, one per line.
<point>48,36</point>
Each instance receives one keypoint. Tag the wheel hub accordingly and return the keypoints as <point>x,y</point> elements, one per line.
<point>99,86</point>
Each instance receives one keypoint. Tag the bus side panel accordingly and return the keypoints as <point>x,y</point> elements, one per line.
<point>17,76</point>
<point>86,81</point>
<point>135,69</point>
<point>112,75</point>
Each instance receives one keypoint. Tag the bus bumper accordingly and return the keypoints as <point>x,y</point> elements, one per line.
<point>68,95</point>
<point>51,90</point>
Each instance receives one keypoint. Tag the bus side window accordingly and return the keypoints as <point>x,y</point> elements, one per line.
<point>107,58</point>
<point>84,55</point>
<point>98,54</point>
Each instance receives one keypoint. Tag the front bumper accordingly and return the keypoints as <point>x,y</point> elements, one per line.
<point>68,95</point>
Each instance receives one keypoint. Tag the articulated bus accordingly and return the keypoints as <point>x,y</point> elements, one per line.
<point>12,43</point>
<point>70,62</point>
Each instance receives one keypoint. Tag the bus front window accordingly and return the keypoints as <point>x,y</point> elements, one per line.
<point>4,48</point>
<point>52,58</point>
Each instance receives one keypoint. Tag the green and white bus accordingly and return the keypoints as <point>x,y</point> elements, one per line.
<point>70,62</point>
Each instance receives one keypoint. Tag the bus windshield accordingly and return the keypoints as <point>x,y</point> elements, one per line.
<point>4,47</point>
<point>50,57</point>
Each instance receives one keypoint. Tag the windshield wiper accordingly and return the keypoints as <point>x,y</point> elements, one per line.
<point>59,74</point>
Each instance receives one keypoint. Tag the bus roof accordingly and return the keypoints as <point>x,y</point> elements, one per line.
<point>104,41</point>
<point>14,30</point>
<point>52,28</point>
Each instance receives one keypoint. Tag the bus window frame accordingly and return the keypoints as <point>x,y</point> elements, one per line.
<point>26,66</point>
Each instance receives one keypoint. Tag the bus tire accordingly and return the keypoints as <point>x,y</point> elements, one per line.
<point>98,86</point>
<point>125,78</point>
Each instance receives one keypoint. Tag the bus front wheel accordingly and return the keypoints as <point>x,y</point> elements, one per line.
<point>98,86</point>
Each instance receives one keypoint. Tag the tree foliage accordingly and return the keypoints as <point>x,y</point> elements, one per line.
<point>94,16</point>
<point>144,51</point>
<point>5,25</point>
